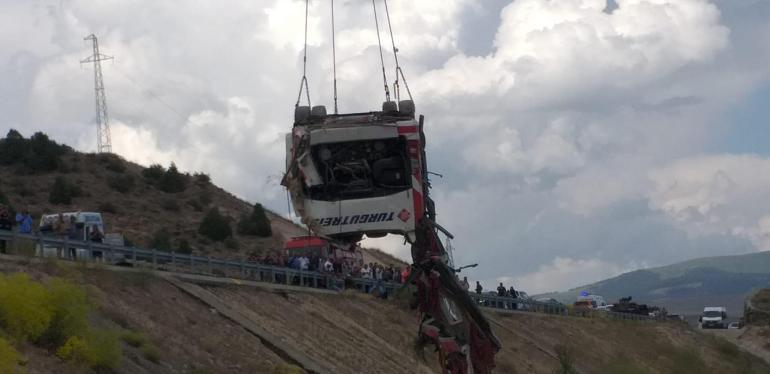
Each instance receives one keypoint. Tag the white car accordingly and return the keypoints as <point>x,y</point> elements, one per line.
<point>734,325</point>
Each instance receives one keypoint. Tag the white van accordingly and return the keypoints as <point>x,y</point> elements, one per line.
<point>713,317</point>
<point>85,224</point>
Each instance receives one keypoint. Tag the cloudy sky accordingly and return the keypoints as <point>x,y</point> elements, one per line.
<point>577,138</point>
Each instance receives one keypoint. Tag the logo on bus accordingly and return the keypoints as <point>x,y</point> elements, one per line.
<point>356,218</point>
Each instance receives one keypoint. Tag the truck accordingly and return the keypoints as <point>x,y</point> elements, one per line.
<point>713,317</point>
<point>590,301</point>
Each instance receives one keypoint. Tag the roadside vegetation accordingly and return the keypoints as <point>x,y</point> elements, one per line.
<point>54,316</point>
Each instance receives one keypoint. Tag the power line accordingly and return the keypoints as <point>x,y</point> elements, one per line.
<point>382,59</point>
<point>103,140</point>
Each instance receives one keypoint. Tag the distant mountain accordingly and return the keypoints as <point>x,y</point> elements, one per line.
<point>688,286</point>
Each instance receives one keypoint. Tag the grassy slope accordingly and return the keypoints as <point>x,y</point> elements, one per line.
<point>352,332</point>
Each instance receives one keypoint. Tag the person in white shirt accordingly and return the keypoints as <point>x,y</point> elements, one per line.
<point>328,266</point>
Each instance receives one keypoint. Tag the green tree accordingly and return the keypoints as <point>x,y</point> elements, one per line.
<point>13,148</point>
<point>172,180</point>
<point>45,153</point>
<point>184,247</point>
<point>215,226</point>
<point>161,240</point>
<point>256,223</point>
<point>153,173</point>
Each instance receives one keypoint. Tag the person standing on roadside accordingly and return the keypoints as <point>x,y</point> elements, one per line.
<point>479,289</point>
<point>72,234</point>
<point>5,224</point>
<point>24,221</point>
<point>465,284</point>
<point>60,228</point>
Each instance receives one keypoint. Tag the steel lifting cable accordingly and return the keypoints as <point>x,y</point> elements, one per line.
<point>304,65</point>
<point>334,61</point>
<point>382,59</point>
<point>395,57</point>
<point>395,52</point>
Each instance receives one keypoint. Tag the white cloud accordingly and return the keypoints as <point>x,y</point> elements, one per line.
<point>559,147</point>
<point>563,273</point>
<point>717,193</point>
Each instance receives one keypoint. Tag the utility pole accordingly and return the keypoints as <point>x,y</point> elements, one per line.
<point>103,141</point>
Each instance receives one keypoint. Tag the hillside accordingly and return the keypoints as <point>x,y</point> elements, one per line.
<point>687,286</point>
<point>133,204</point>
<point>354,333</point>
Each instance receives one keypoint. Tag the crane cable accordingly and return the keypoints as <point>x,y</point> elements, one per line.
<point>382,59</point>
<point>395,57</point>
<point>303,81</point>
<point>334,61</point>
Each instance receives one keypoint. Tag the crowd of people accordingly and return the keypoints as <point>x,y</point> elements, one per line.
<point>374,271</point>
<point>61,226</point>
<point>23,219</point>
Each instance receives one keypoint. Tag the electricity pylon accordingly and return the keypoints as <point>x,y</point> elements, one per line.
<point>103,141</point>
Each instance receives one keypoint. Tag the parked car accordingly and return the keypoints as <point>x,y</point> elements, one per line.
<point>734,325</point>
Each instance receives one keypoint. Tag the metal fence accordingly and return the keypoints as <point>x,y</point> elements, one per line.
<point>51,246</point>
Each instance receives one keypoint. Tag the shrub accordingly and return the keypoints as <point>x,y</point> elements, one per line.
<point>172,180</point>
<point>133,338</point>
<point>184,247</point>
<point>202,179</point>
<point>161,240</point>
<point>255,224</point>
<point>70,307</point>
<point>63,191</point>
<point>284,368</point>
<point>108,207</point>
<point>9,357</point>
<point>170,205</point>
<point>150,352</point>
<point>24,310</point>
<point>122,183</point>
<point>215,226</point>
<point>195,205</point>
<point>98,350</point>
<point>204,198</point>
<point>34,155</point>
<point>231,243</point>
<point>73,350</point>
<point>112,162</point>
<point>566,362</point>
<point>153,173</point>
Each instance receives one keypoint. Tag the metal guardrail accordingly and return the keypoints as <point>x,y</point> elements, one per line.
<point>76,250</point>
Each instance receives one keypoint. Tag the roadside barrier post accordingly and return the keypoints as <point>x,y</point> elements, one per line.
<point>173,259</point>
<point>154,259</point>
